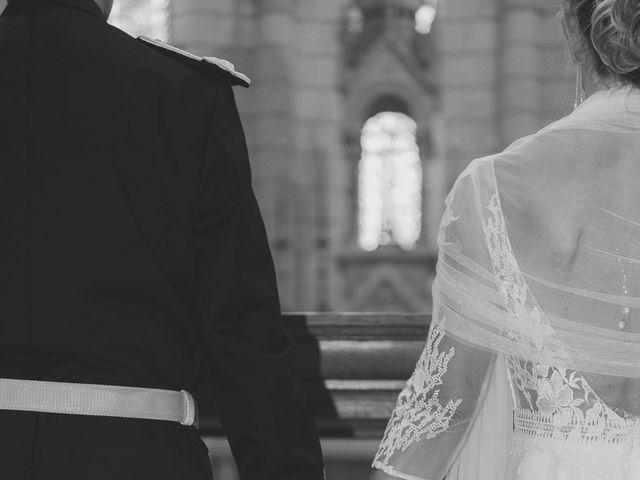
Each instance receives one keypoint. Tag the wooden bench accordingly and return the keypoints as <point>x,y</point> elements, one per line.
<point>351,368</point>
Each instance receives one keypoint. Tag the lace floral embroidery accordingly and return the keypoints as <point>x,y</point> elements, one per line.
<point>565,400</point>
<point>528,325</point>
<point>562,396</point>
<point>418,412</point>
<point>555,395</point>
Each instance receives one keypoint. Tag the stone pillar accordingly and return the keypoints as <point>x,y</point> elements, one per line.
<point>425,140</point>
<point>352,140</point>
<point>467,69</point>
<point>520,81</point>
<point>273,151</point>
<point>320,170</point>
<point>202,26</point>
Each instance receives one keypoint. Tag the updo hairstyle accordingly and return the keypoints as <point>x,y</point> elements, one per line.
<point>604,37</point>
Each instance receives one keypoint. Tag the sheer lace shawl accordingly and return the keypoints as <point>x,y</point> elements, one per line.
<point>555,215</point>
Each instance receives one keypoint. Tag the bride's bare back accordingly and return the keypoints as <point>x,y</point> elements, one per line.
<point>578,226</point>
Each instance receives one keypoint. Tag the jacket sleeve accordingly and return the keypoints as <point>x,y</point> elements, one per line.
<point>260,406</point>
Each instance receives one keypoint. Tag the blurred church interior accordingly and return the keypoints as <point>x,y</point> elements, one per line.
<point>361,115</point>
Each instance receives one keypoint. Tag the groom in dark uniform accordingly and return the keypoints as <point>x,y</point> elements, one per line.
<point>133,253</point>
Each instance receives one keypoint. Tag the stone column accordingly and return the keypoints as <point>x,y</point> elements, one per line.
<point>430,178</point>
<point>352,140</point>
<point>319,170</point>
<point>202,26</point>
<point>520,80</point>
<point>467,56</point>
<point>274,151</point>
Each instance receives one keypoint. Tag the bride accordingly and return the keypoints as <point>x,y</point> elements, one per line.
<point>532,366</point>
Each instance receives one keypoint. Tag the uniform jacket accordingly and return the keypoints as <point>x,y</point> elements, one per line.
<point>132,250</point>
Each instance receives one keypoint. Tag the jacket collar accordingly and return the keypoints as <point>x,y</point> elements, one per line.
<point>87,6</point>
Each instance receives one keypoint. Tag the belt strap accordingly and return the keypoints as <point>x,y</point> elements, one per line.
<point>100,400</point>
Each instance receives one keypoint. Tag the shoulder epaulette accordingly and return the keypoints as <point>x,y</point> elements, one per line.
<point>217,64</point>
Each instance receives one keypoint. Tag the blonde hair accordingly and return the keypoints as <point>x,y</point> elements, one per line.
<point>604,36</point>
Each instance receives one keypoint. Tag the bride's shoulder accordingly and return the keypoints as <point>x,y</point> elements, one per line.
<point>552,150</point>
<point>538,181</point>
<point>531,174</point>
<point>541,162</point>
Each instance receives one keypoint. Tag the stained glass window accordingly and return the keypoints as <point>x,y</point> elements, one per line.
<point>142,17</point>
<point>390,183</point>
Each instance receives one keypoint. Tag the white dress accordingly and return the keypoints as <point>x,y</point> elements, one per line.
<point>533,246</point>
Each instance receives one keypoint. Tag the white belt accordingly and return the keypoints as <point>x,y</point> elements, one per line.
<point>101,400</point>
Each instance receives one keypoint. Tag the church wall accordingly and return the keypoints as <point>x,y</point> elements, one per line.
<point>520,84</point>
<point>499,70</point>
<point>468,73</point>
<point>558,75</point>
<point>503,73</point>
<point>214,22</point>
<point>319,172</point>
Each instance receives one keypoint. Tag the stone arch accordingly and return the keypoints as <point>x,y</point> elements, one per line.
<point>399,95</point>
<point>389,103</point>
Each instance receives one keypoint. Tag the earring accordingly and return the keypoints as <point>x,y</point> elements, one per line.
<point>579,87</point>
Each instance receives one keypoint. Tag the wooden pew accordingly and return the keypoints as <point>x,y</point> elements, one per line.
<point>351,367</point>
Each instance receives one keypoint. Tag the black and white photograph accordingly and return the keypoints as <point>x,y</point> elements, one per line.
<point>320,239</point>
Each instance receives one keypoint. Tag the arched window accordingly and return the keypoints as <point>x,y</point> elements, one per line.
<point>389,183</point>
<point>142,17</point>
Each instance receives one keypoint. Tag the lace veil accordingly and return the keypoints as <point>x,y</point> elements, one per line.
<point>533,246</point>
